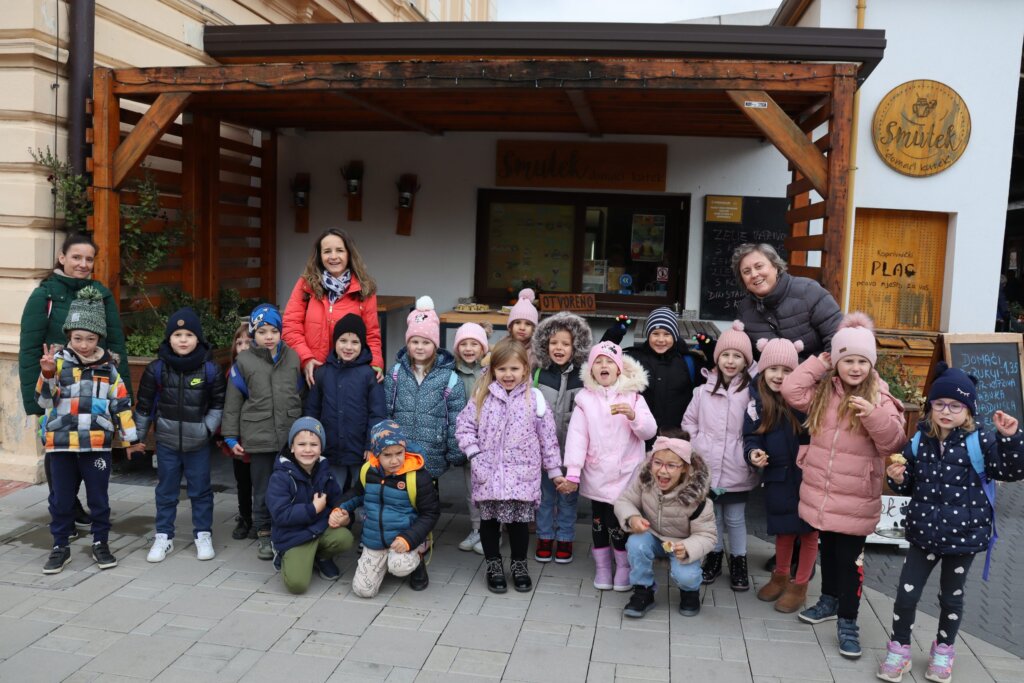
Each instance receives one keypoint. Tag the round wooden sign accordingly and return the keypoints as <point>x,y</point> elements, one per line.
<point>921,128</point>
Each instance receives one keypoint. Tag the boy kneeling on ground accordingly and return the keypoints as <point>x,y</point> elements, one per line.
<point>402,508</point>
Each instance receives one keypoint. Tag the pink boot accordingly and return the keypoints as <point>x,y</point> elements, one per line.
<point>603,568</point>
<point>621,582</point>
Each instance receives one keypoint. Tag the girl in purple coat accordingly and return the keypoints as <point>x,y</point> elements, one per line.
<point>714,420</point>
<point>507,432</point>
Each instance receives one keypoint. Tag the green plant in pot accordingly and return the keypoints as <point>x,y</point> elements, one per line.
<point>219,323</point>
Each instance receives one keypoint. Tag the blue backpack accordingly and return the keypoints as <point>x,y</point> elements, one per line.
<point>987,485</point>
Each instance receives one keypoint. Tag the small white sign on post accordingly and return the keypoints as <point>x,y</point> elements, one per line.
<point>891,529</point>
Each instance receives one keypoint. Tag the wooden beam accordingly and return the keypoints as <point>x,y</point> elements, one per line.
<point>581,104</point>
<point>840,125</point>
<point>766,114</point>
<point>387,113</point>
<point>805,271</point>
<point>817,115</point>
<point>614,73</point>
<point>805,243</point>
<point>809,212</point>
<point>147,133</point>
<point>798,187</point>
<point>268,217</point>
<point>106,124</point>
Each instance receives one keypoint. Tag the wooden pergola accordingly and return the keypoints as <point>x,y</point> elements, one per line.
<point>782,85</point>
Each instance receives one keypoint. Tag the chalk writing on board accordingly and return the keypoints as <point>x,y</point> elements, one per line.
<point>997,368</point>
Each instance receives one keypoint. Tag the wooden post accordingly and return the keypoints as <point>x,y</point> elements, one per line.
<point>198,144</point>
<point>208,220</point>
<point>268,217</point>
<point>106,123</point>
<point>840,124</point>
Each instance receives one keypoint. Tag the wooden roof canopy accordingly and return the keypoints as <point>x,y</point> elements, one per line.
<point>777,83</point>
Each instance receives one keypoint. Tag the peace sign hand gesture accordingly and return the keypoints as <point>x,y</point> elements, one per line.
<point>48,362</point>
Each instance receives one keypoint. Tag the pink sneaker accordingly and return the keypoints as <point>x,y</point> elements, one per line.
<point>940,663</point>
<point>896,663</point>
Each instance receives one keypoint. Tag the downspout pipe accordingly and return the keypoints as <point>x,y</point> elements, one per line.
<point>80,64</point>
<point>862,8</point>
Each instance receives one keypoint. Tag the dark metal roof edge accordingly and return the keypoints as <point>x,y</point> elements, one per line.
<point>776,43</point>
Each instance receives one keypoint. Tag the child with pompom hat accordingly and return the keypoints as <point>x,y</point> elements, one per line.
<point>522,321</point>
<point>714,420</point>
<point>423,391</point>
<point>854,425</point>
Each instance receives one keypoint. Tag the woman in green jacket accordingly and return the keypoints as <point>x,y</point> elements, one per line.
<point>42,322</point>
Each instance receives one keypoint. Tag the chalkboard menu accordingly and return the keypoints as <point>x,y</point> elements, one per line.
<point>995,360</point>
<point>728,223</point>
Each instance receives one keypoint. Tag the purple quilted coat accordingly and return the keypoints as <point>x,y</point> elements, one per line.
<point>506,446</point>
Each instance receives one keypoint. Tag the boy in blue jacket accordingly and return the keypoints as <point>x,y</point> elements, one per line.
<point>347,399</point>
<point>301,491</point>
<point>402,508</point>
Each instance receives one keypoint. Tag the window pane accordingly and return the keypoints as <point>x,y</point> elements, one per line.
<point>530,242</point>
<point>621,241</point>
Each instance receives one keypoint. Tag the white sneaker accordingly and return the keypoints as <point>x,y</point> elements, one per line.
<point>469,541</point>
<point>161,546</point>
<point>204,545</point>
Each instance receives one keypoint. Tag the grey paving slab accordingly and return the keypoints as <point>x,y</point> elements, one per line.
<point>113,613</point>
<point>641,648</point>
<point>274,667</point>
<point>78,640</point>
<point>10,596</point>
<point>34,664</point>
<point>17,634</point>
<point>708,670</point>
<point>481,632</point>
<point>542,662</point>
<point>250,630</point>
<point>770,658</point>
<point>138,656</point>
<point>414,650</point>
<point>564,609</point>
<point>479,663</point>
<point>206,602</point>
<point>354,671</point>
<point>339,616</point>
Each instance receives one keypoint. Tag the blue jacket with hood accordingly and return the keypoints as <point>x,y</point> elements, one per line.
<point>290,500</point>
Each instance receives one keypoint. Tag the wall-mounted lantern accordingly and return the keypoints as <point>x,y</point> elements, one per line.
<point>353,174</point>
<point>408,185</point>
<point>300,200</point>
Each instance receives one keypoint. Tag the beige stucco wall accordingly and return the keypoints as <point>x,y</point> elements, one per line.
<point>33,115</point>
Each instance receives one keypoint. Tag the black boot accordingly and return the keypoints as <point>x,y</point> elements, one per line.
<point>520,576</point>
<point>712,566</point>
<point>640,603</point>
<point>242,527</point>
<point>495,575</point>
<point>419,580</point>
<point>738,573</point>
<point>689,603</point>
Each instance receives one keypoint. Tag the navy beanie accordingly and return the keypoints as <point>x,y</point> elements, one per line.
<point>955,384</point>
<point>350,323</point>
<point>663,318</point>
<point>184,319</point>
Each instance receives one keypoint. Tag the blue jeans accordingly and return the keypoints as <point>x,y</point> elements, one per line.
<point>556,516</point>
<point>195,465</point>
<point>644,548</point>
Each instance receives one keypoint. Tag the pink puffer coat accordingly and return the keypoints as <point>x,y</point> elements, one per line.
<point>714,420</point>
<point>843,469</point>
<point>603,450</point>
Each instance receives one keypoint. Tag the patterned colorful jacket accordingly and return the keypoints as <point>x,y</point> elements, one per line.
<point>85,404</point>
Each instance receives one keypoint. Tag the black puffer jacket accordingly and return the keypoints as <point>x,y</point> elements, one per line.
<point>798,308</point>
<point>185,407</point>
<point>671,385</point>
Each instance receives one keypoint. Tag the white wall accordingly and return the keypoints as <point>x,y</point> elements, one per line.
<point>975,48</point>
<point>438,259</point>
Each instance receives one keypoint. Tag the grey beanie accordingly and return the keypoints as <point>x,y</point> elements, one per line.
<point>87,312</point>
<point>308,424</point>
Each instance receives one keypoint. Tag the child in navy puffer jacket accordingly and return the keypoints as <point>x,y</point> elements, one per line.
<point>347,399</point>
<point>402,507</point>
<point>301,491</point>
<point>950,517</point>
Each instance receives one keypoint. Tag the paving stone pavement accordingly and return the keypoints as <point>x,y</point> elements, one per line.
<point>230,619</point>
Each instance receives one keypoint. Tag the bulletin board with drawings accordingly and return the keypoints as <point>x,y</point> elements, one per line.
<point>528,242</point>
<point>899,258</point>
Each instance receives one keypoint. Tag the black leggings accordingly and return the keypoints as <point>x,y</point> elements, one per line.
<point>518,538</point>
<point>841,575</point>
<point>916,570</point>
<point>606,530</point>
<point>243,480</point>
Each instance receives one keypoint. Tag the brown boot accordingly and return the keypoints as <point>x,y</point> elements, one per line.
<point>793,598</point>
<point>771,591</point>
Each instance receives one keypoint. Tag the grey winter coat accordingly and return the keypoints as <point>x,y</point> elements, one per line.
<point>560,384</point>
<point>263,399</point>
<point>669,512</point>
<point>798,308</point>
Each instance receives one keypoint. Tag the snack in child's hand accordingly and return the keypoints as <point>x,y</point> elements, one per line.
<point>897,459</point>
<point>667,546</point>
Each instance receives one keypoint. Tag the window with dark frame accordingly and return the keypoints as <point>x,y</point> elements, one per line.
<point>629,250</point>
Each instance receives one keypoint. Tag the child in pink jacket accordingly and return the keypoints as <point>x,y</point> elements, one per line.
<point>855,424</point>
<point>603,447</point>
<point>714,420</point>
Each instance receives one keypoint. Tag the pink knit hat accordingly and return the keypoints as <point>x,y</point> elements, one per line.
<point>606,348</point>
<point>737,340</point>
<point>779,351</point>
<point>855,337</point>
<point>471,331</point>
<point>524,308</point>
<point>423,322</point>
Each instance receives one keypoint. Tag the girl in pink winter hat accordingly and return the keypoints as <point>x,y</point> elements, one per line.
<point>714,420</point>
<point>470,349</point>
<point>854,424</point>
<point>522,320</point>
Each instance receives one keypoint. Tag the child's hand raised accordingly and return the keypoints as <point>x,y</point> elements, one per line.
<point>638,524</point>
<point>861,406</point>
<point>895,472</point>
<point>826,359</point>
<point>1006,424</point>
<point>320,502</point>
<point>623,409</point>
<point>337,518</point>
<point>48,363</point>
<point>758,458</point>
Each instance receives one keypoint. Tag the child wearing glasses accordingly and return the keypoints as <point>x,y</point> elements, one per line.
<point>948,470</point>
